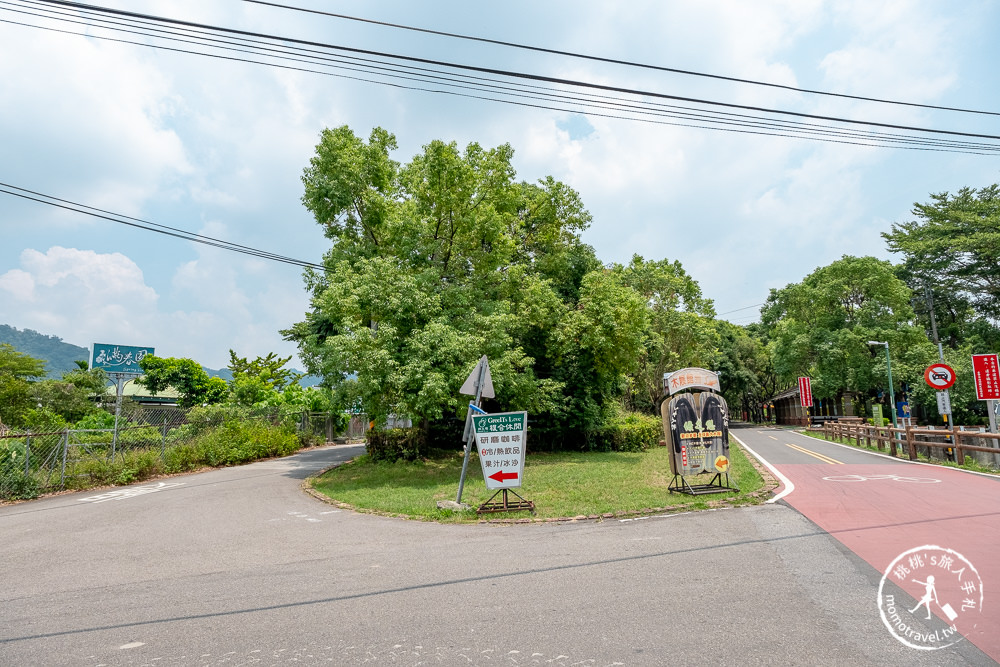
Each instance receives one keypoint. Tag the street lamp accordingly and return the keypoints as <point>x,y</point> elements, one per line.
<point>888,368</point>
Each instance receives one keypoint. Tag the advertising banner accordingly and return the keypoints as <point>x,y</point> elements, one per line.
<point>688,379</point>
<point>501,440</point>
<point>119,358</point>
<point>697,429</point>
<point>805,392</point>
<point>986,369</point>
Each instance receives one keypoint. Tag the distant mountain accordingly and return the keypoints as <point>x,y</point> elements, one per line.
<point>59,356</point>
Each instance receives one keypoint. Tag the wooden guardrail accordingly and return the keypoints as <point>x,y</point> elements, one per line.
<point>911,437</point>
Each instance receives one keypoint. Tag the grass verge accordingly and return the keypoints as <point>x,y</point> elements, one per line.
<point>562,485</point>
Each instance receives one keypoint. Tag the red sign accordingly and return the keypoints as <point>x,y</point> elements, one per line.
<point>986,369</point>
<point>939,376</point>
<point>805,392</point>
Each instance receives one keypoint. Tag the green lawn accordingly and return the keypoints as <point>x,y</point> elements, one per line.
<point>560,484</point>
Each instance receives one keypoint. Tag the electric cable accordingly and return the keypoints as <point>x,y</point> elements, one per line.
<point>599,101</point>
<point>146,225</point>
<point>615,61</point>
<point>518,75</point>
<point>785,128</point>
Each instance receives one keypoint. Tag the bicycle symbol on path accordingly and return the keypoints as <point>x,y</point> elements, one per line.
<point>894,478</point>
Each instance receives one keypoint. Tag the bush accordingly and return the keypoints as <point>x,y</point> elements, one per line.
<point>628,432</point>
<point>395,444</point>
<point>240,442</point>
<point>14,484</point>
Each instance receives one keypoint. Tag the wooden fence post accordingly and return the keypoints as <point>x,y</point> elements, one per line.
<point>910,443</point>
<point>959,454</point>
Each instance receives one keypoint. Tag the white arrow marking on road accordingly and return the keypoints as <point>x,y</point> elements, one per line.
<point>130,492</point>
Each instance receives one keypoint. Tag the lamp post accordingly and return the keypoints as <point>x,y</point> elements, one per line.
<point>888,368</point>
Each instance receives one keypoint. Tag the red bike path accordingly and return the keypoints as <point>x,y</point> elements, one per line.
<point>880,508</point>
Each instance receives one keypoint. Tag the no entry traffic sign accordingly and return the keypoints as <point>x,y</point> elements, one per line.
<point>939,376</point>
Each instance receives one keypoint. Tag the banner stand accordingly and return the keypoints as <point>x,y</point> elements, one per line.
<point>506,505</point>
<point>716,485</point>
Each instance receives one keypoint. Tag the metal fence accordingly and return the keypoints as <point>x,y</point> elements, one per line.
<point>32,463</point>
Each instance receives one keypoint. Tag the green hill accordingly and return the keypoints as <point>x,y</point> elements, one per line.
<point>59,356</point>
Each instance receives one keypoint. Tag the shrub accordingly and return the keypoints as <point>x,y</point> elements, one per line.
<point>14,484</point>
<point>628,432</point>
<point>395,444</point>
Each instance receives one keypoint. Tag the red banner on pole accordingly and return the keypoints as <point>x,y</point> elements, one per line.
<point>805,392</point>
<point>986,369</point>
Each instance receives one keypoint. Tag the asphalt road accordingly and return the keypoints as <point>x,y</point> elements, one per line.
<point>880,508</point>
<point>238,566</point>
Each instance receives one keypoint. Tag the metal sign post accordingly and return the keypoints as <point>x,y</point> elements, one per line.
<point>121,363</point>
<point>479,384</point>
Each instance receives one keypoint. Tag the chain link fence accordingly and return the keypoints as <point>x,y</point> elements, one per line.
<point>33,463</point>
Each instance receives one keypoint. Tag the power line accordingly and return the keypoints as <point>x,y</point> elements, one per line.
<point>505,73</point>
<point>696,117</point>
<point>739,309</point>
<point>148,226</point>
<point>615,61</point>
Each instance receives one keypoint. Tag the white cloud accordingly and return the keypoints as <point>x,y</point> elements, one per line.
<point>87,297</point>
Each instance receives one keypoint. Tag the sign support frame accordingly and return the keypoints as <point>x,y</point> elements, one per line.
<point>467,434</point>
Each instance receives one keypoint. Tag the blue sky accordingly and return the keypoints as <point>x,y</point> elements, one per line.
<point>218,147</point>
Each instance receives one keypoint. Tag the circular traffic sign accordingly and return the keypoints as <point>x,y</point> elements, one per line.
<point>939,376</point>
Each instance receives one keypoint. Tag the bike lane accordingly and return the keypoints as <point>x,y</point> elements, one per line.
<point>880,508</point>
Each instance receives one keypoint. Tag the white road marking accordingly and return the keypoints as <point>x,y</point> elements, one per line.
<point>124,647</point>
<point>130,492</point>
<point>789,487</point>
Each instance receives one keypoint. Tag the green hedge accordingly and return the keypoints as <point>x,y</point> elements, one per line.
<point>395,444</point>
<point>629,432</point>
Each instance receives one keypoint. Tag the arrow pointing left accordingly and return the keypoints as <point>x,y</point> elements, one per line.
<point>502,476</point>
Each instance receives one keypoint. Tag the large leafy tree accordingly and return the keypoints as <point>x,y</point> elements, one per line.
<point>438,261</point>
<point>680,331</point>
<point>192,383</point>
<point>953,247</point>
<point>821,327</point>
<point>17,370</point>
<point>747,380</point>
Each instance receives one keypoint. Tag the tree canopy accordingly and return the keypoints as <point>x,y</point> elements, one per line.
<point>953,247</point>
<point>192,383</point>
<point>821,326</point>
<point>448,257</point>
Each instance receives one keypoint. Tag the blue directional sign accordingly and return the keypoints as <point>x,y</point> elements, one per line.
<point>119,358</point>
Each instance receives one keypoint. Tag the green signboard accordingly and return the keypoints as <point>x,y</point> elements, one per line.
<point>501,440</point>
<point>119,358</point>
<point>877,414</point>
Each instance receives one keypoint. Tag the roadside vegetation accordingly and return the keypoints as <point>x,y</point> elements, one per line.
<point>561,484</point>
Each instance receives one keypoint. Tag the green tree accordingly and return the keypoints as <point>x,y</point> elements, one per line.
<point>436,262</point>
<point>953,247</point>
<point>821,328</point>
<point>16,372</point>
<point>680,330</point>
<point>270,370</point>
<point>186,376</point>
<point>747,379</point>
